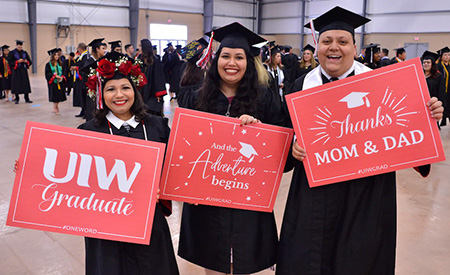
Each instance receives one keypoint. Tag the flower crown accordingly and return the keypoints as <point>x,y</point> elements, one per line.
<point>106,69</point>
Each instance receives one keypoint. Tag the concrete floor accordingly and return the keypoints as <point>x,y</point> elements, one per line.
<point>423,206</point>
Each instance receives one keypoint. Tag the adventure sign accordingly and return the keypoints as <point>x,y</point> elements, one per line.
<point>367,124</point>
<point>86,183</point>
<point>213,160</point>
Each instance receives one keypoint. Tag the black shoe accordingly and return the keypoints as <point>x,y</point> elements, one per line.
<point>29,101</point>
<point>79,115</point>
<point>16,102</point>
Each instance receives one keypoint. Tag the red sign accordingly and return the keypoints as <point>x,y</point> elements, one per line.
<point>366,124</point>
<point>213,160</point>
<point>86,183</point>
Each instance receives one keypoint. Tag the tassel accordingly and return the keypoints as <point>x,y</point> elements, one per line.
<point>203,61</point>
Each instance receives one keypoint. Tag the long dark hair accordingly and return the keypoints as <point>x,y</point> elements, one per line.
<point>192,75</point>
<point>247,94</point>
<point>53,60</point>
<point>434,72</point>
<point>147,52</point>
<point>138,108</point>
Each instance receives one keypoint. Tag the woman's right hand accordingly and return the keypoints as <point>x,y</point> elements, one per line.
<point>298,152</point>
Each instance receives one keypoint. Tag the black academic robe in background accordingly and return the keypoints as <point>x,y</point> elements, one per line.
<point>79,86</point>
<point>290,63</point>
<point>208,233</point>
<point>339,229</point>
<point>436,87</point>
<point>5,71</point>
<point>56,93</point>
<point>154,88</point>
<point>89,103</point>
<point>445,71</point>
<point>394,60</point>
<point>68,74</point>
<point>20,83</point>
<point>121,258</point>
<point>174,66</point>
<point>385,61</point>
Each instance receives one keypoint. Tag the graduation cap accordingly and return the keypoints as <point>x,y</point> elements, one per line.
<point>309,48</point>
<point>19,42</point>
<point>96,42</point>
<point>59,49</point>
<point>193,50</point>
<point>356,99</point>
<point>236,36</point>
<point>169,44</point>
<point>430,55</point>
<point>337,19</point>
<point>5,47</point>
<point>443,50</point>
<point>178,46</point>
<point>52,51</point>
<point>399,50</point>
<point>248,151</point>
<point>287,47</point>
<point>115,44</point>
<point>154,47</point>
<point>371,49</point>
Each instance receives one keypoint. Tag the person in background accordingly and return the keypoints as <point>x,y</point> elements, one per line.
<point>276,74</point>
<point>5,72</point>
<point>384,58</point>
<point>290,63</point>
<point>129,50</point>
<point>129,119</point>
<point>98,50</point>
<point>435,79</point>
<point>372,59</point>
<point>444,69</point>
<point>55,80</point>
<point>19,62</point>
<point>307,63</point>
<point>155,51</point>
<point>346,227</point>
<point>193,75</point>
<point>155,89</point>
<point>400,55</point>
<point>68,73</point>
<point>226,240</point>
<point>61,55</point>
<point>79,87</point>
<point>116,46</point>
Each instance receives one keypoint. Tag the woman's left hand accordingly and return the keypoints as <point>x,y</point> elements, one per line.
<point>247,119</point>
<point>435,106</point>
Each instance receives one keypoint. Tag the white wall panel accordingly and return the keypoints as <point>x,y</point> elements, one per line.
<point>120,3</point>
<point>15,11</point>
<point>233,8</point>
<point>48,13</point>
<point>190,6</point>
<point>219,21</point>
<point>278,26</point>
<point>383,6</point>
<point>408,23</point>
<point>282,10</point>
<point>316,8</point>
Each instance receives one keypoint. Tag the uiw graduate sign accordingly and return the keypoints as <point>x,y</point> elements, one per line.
<point>86,183</point>
<point>213,160</point>
<point>367,124</point>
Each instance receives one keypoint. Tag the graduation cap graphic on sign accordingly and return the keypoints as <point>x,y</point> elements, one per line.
<point>356,99</point>
<point>248,151</point>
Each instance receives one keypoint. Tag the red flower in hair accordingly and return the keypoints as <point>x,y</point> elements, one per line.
<point>125,68</point>
<point>106,68</point>
<point>92,82</point>
<point>142,81</point>
<point>135,70</point>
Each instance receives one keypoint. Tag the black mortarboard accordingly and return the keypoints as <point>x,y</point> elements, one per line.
<point>371,49</point>
<point>338,19</point>
<point>169,44</point>
<point>115,44</point>
<point>271,43</point>
<point>194,49</point>
<point>399,50</point>
<point>72,54</point>
<point>96,42</point>
<point>287,47</point>
<point>309,47</point>
<point>443,50</point>
<point>178,46</point>
<point>154,47</point>
<point>19,42</point>
<point>430,55</point>
<point>5,47</point>
<point>236,36</point>
<point>59,49</point>
<point>52,51</point>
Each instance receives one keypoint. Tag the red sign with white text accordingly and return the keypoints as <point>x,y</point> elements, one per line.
<point>86,183</point>
<point>367,124</point>
<point>213,160</point>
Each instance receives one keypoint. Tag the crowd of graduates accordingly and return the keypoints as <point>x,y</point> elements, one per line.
<point>326,230</point>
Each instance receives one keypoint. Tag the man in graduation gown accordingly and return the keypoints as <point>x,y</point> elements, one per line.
<point>347,227</point>
<point>444,69</point>
<point>384,57</point>
<point>290,63</point>
<point>80,79</point>
<point>20,62</point>
<point>68,73</point>
<point>400,55</point>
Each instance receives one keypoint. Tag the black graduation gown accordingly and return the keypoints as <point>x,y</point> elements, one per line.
<point>342,228</point>
<point>290,63</point>
<point>5,71</point>
<point>154,88</point>
<point>384,62</point>
<point>55,93</point>
<point>121,258</point>
<point>68,73</point>
<point>20,83</point>
<point>394,60</point>
<point>446,79</point>
<point>89,103</point>
<point>208,233</point>
<point>184,93</point>
<point>174,72</point>
<point>79,87</point>
<point>436,87</point>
